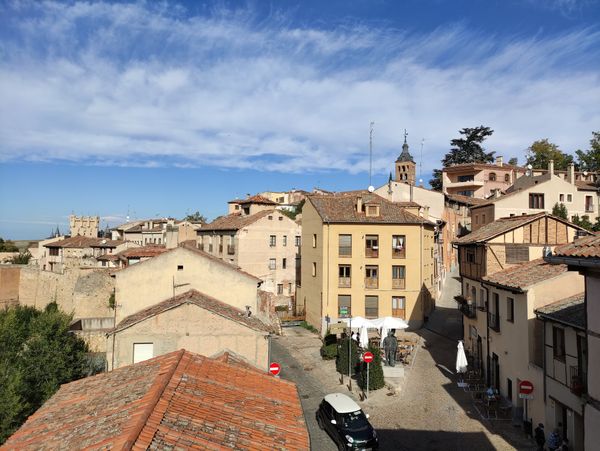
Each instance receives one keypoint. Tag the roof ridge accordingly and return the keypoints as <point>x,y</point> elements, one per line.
<point>162,381</point>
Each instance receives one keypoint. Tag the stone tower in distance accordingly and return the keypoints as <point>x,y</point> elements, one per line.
<point>406,168</point>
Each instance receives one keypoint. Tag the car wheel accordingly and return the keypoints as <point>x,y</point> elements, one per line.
<point>341,447</point>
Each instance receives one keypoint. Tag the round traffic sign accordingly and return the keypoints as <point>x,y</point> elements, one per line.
<point>274,368</point>
<point>368,357</point>
<point>525,387</point>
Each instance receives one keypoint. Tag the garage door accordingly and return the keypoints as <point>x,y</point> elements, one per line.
<point>142,351</point>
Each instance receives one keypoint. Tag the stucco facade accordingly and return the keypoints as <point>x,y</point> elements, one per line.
<point>191,328</point>
<point>337,282</point>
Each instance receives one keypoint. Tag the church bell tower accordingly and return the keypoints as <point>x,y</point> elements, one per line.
<point>406,167</point>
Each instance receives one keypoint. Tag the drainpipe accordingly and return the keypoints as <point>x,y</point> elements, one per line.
<point>328,275</point>
<point>487,333</point>
<point>421,263</point>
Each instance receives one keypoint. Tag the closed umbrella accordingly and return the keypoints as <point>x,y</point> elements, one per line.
<point>364,337</point>
<point>461,358</point>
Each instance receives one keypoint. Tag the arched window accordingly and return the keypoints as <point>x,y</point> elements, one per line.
<point>492,176</point>
<point>506,178</point>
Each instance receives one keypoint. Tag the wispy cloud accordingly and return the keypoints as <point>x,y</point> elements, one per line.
<point>147,85</point>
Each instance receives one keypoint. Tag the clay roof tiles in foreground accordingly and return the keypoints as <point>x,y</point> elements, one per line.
<point>199,299</point>
<point>179,400</point>
<point>341,208</point>
<point>586,247</point>
<point>520,277</point>
<point>569,311</point>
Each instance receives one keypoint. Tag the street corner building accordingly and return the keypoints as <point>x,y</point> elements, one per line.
<point>180,400</point>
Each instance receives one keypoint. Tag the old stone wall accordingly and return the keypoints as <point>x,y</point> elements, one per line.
<point>9,285</point>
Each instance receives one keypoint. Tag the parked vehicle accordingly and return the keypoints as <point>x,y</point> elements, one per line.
<point>346,423</point>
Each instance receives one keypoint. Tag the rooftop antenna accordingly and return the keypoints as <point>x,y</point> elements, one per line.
<point>421,159</point>
<point>371,154</point>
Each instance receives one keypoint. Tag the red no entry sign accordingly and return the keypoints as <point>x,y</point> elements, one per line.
<point>525,387</point>
<point>274,368</point>
<point>368,357</point>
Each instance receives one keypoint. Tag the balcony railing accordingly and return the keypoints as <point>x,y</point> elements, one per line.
<point>230,249</point>
<point>372,252</point>
<point>469,310</point>
<point>398,252</point>
<point>577,380</point>
<point>344,282</point>
<point>494,321</point>
<point>399,284</point>
<point>371,282</point>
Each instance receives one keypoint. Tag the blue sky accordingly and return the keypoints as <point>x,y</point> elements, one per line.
<point>162,108</point>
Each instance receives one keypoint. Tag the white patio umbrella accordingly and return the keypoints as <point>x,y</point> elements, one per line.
<point>364,337</point>
<point>461,358</point>
<point>357,322</point>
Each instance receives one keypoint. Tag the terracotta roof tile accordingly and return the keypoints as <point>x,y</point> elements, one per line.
<point>179,399</point>
<point>584,185</point>
<point>143,252</point>
<point>78,242</point>
<point>586,247</point>
<point>503,225</point>
<point>253,200</point>
<point>525,275</point>
<point>235,221</point>
<point>466,199</point>
<point>341,208</point>
<point>199,299</point>
<point>570,311</point>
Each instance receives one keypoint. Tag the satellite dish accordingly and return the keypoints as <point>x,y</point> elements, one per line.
<point>529,167</point>
<point>371,188</point>
<point>585,173</point>
<point>528,173</point>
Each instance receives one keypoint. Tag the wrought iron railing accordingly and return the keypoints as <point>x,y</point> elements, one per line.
<point>577,380</point>
<point>494,321</point>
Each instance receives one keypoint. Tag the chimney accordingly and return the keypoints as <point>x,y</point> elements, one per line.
<point>499,161</point>
<point>551,167</point>
<point>571,174</point>
<point>359,204</point>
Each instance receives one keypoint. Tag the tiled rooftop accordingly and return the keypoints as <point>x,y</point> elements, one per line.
<point>586,247</point>
<point>199,299</point>
<point>570,311</point>
<point>525,275</point>
<point>341,208</point>
<point>143,252</point>
<point>235,221</point>
<point>78,242</point>
<point>253,200</point>
<point>466,199</point>
<point>179,400</point>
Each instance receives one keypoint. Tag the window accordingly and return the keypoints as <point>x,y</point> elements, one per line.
<point>466,178</point>
<point>279,288</point>
<point>398,246</point>
<point>237,207</point>
<point>510,310</point>
<point>483,219</point>
<point>516,253</point>
<point>536,200</point>
<point>467,193</point>
<point>470,255</point>
<point>298,240</point>
<point>399,277</point>
<point>509,389</point>
<point>507,178</point>
<point>372,210</point>
<point>371,276</point>
<point>179,267</point>
<point>372,245</point>
<point>398,306</point>
<point>589,203</point>
<point>53,251</point>
<point>344,276</point>
<point>372,306</point>
<point>314,240</point>
<point>558,343</point>
<point>345,245</point>
<point>284,240</point>
<point>281,218</point>
<point>270,218</point>
<point>284,263</point>
<point>142,351</point>
<point>569,198</point>
<point>272,263</point>
<point>344,305</point>
<point>272,240</point>
<point>561,197</point>
<point>492,177</point>
<point>314,269</point>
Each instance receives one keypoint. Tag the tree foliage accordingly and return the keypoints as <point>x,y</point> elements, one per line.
<point>195,217</point>
<point>37,355</point>
<point>583,221</point>
<point>376,380</point>
<point>560,210</point>
<point>467,149</point>
<point>21,259</point>
<point>8,246</point>
<point>295,211</point>
<point>341,361</point>
<point>542,151</point>
<point>514,161</point>
<point>589,160</point>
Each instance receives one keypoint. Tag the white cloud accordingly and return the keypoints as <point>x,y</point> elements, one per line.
<point>144,85</point>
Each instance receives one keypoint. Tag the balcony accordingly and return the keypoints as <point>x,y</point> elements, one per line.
<point>577,380</point>
<point>372,252</point>
<point>398,252</point>
<point>371,283</point>
<point>399,284</point>
<point>468,310</point>
<point>344,282</point>
<point>466,184</point>
<point>230,249</point>
<point>494,321</point>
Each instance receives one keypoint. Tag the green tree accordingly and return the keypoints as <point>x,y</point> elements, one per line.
<point>467,149</point>
<point>38,353</point>
<point>589,160</point>
<point>8,246</point>
<point>195,217</point>
<point>295,211</point>
<point>21,259</point>
<point>560,210</point>
<point>542,151</point>
<point>341,361</point>
<point>584,222</point>
<point>376,380</point>
<point>514,161</point>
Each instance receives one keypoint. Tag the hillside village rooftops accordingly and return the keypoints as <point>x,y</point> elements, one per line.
<point>236,221</point>
<point>80,242</point>
<point>179,400</point>
<point>199,299</point>
<point>521,277</point>
<point>503,225</point>
<point>342,208</point>
<point>569,311</point>
<point>586,247</point>
<point>143,252</point>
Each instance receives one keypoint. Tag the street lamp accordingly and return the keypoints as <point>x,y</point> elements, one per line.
<point>350,353</point>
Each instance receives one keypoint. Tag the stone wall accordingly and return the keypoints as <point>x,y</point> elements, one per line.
<point>9,285</point>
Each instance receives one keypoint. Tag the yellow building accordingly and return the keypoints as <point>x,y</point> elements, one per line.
<point>365,256</point>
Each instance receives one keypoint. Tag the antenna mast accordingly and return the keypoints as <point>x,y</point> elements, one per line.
<point>371,152</point>
<point>421,159</point>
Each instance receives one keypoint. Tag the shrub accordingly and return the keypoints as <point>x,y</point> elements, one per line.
<point>308,327</point>
<point>329,352</point>
<point>376,380</point>
<point>330,339</point>
<point>341,362</point>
